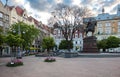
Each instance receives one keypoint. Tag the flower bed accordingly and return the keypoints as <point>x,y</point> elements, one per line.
<point>14,63</point>
<point>50,59</point>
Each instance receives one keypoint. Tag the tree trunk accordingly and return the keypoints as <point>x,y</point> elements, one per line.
<point>1,49</point>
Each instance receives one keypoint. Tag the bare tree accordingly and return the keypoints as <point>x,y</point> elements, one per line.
<point>69,19</point>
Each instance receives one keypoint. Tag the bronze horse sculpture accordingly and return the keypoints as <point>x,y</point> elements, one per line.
<point>90,27</point>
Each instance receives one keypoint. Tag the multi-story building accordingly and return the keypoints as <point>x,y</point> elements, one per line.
<point>77,39</point>
<point>12,14</point>
<point>20,14</point>
<point>4,23</point>
<point>107,24</point>
<point>4,16</point>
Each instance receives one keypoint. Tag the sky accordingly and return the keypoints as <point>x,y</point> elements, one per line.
<point>41,9</point>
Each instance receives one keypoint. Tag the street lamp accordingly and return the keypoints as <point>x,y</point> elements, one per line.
<point>19,53</point>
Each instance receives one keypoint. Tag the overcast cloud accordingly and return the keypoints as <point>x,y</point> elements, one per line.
<point>41,9</point>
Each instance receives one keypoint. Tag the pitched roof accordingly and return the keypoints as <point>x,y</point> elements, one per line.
<point>46,28</point>
<point>10,7</point>
<point>36,22</point>
<point>19,10</point>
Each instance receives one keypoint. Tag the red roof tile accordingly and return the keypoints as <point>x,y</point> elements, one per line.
<point>46,28</point>
<point>19,10</point>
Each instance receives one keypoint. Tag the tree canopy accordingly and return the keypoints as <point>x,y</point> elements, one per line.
<point>68,19</point>
<point>14,40</point>
<point>64,44</point>
<point>113,42</point>
<point>26,32</point>
<point>48,43</point>
<point>102,44</point>
<point>110,42</point>
<point>2,37</point>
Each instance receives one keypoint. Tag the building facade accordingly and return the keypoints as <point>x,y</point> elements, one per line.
<point>77,39</point>
<point>12,14</point>
<point>107,24</point>
<point>4,23</point>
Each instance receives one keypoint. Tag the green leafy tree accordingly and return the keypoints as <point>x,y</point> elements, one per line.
<point>27,32</point>
<point>64,44</point>
<point>2,40</point>
<point>113,42</point>
<point>14,40</point>
<point>48,43</point>
<point>110,42</point>
<point>102,44</point>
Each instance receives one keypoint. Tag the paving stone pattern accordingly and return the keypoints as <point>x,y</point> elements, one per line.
<point>63,67</point>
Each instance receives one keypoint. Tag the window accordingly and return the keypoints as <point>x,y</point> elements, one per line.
<point>6,17</point>
<point>59,31</point>
<point>119,26</point>
<point>54,32</point>
<point>108,30</point>
<point>1,15</point>
<point>76,35</point>
<point>6,25</point>
<point>108,24</point>
<point>100,30</point>
<point>80,42</point>
<point>119,23</point>
<point>1,23</point>
<point>76,42</point>
<point>99,25</point>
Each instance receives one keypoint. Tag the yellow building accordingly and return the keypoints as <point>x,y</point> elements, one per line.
<point>108,28</point>
<point>108,25</point>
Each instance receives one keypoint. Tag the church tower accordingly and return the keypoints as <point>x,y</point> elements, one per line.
<point>118,10</point>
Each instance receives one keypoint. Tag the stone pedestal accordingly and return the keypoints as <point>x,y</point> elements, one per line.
<point>90,45</point>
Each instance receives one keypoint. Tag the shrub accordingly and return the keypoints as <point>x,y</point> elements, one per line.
<point>66,44</point>
<point>14,63</point>
<point>50,59</point>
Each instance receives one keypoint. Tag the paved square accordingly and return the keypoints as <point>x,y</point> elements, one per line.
<point>63,67</point>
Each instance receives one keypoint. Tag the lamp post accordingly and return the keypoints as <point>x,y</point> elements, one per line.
<point>19,56</point>
<point>19,52</point>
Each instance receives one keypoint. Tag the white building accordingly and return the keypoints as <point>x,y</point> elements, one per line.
<point>77,39</point>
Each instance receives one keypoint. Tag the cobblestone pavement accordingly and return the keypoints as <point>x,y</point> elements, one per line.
<point>63,67</point>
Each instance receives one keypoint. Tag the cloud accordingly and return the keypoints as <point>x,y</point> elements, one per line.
<point>58,1</point>
<point>97,5</point>
<point>42,5</point>
<point>17,2</point>
<point>41,9</point>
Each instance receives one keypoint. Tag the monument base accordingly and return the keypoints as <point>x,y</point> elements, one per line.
<point>90,45</point>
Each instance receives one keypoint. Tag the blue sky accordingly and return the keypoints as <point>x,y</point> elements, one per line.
<point>41,9</point>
